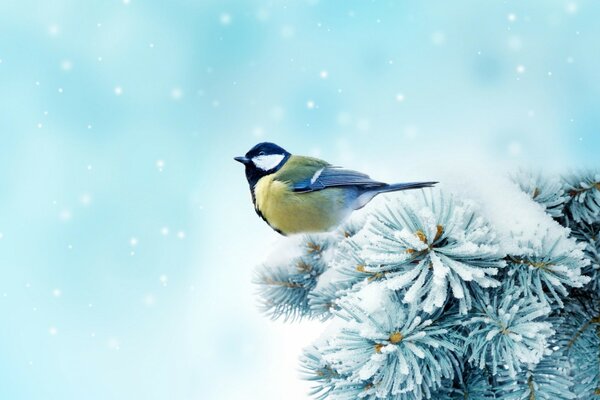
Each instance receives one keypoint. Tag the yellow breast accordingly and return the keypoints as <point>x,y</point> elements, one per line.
<point>291,212</point>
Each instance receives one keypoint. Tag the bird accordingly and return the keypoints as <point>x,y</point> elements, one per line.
<point>297,194</point>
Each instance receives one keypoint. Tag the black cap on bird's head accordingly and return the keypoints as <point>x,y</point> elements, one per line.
<point>263,159</point>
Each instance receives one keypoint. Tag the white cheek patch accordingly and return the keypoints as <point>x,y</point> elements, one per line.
<point>269,162</point>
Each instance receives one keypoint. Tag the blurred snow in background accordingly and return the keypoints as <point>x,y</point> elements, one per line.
<point>127,236</point>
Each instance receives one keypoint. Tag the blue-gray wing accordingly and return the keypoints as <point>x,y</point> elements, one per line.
<point>335,176</point>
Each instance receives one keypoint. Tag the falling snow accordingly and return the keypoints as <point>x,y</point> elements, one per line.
<point>124,218</point>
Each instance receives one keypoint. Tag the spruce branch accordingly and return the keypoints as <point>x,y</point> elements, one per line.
<point>548,266</point>
<point>431,246</point>
<point>581,330</point>
<point>584,197</point>
<point>426,304</point>
<point>395,352</point>
<point>337,282</point>
<point>546,191</point>
<point>589,236</point>
<point>547,380</point>
<point>475,384</point>
<point>507,331</point>
<point>284,289</point>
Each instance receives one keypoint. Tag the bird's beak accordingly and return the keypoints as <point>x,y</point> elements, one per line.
<point>243,160</point>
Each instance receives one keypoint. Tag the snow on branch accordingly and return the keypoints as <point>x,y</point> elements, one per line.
<point>433,247</point>
<point>546,191</point>
<point>507,331</point>
<point>584,197</point>
<point>395,351</point>
<point>477,292</point>
<point>547,266</point>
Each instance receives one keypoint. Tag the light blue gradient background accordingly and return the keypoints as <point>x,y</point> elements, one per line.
<point>201,82</point>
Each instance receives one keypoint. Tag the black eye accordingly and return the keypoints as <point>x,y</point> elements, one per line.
<point>262,153</point>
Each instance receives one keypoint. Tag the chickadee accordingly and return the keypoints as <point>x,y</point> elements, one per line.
<point>296,194</point>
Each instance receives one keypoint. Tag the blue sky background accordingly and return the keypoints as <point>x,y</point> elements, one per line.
<point>127,238</point>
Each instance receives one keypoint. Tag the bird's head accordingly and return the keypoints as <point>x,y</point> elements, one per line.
<point>263,159</point>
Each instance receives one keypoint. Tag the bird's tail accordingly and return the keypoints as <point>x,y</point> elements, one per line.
<point>405,186</point>
<point>368,195</point>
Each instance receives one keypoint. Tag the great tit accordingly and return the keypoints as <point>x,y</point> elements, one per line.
<point>297,194</point>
